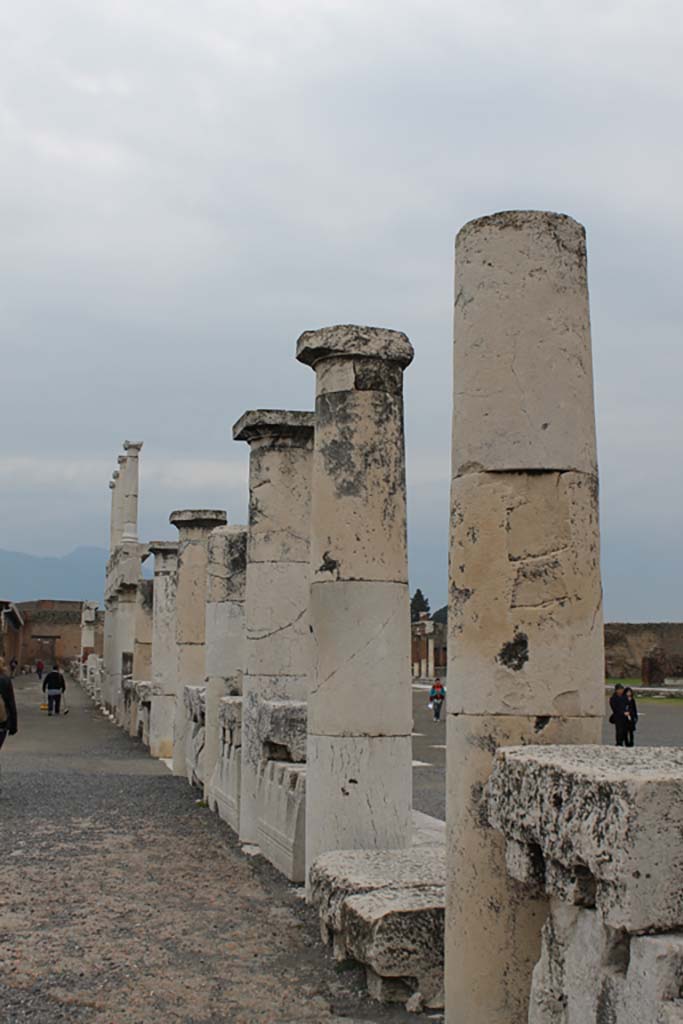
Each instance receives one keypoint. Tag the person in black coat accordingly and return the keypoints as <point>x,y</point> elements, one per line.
<point>54,685</point>
<point>631,712</point>
<point>617,703</point>
<point>8,706</point>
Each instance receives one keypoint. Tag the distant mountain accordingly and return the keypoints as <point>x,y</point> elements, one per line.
<point>75,577</point>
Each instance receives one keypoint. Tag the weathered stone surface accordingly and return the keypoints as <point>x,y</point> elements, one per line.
<point>359,700</point>
<point>195,702</point>
<point>225,782</point>
<point>615,814</point>
<point>281,821</point>
<point>362,678</point>
<point>590,972</point>
<point>357,793</point>
<point>161,714</point>
<point>522,355</point>
<point>278,638</point>
<point>385,908</point>
<point>525,584</point>
<point>487,912</point>
<point>281,729</point>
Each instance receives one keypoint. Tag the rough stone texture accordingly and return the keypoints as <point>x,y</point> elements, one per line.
<point>589,972</point>
<point>363,803</point>
<point>131,481</point>
<point>359,699</point>
<point>281,729</point>
<point>385,908</point>
<point>627,643</point>
<point>281,821</point>
<point>525,585</point>
<point>522,355</point>
<point>194,700</point>
<point>161,715</point>
<point>616,814</point>
<point>225,782</point>
<point>525,652</point>
<point>142,648</point>
<point>194,527</point>
<point>278,639</point>
<point>225,593</point>
<point>476,858</point>
<point>164,651</point>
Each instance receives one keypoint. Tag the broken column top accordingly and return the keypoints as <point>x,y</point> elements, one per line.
<point>352,341</point>
<point>262,423</point>
<point>612,815</point>
<point>523,377</point>
<point>163,547</point>
<point>132,446</point>
<point>206,518</point>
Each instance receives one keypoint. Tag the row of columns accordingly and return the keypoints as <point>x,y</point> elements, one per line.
<point>311,601</point>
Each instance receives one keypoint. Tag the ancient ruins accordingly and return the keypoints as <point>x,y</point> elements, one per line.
<point>269,664</point>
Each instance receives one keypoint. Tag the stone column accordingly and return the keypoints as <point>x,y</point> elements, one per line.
<point>194,527</point>
<point>131,476</point>
<point>164,652</point>
<point>359,776</point>
<point>124,643</point>
<point>119,500</point>
<point>113,538</point>
<point>142,649</point>
<point>225,591</point>
<point>525,647</point>
<point>430,656</point>
<point>278,642</point>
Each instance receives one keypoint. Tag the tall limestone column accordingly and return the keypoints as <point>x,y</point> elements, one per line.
<point>525,646</point>
<point>194,527</point>
<point>278,641</point>
<point>359,776</point>
<point>113,538</point>
<point>119,504</point>
<point>225,591</point>
<point>132,482</point>
<point>164,652</point>
<point>142,646</point>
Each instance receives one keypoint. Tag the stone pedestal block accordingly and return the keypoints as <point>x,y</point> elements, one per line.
<point>224,788</point>
<point>281,821</point>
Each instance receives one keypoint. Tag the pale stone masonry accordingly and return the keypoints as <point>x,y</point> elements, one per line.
<point>598,831</point>
<point>525,617</point>
<point>194,527</point>
<point>164,653</point>
<point>131,488</point>
<point>226,587</point>
<point>359,778</point>
<point>278,640</point>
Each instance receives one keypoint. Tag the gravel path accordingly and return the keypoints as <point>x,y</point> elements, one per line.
<point>125,902</point>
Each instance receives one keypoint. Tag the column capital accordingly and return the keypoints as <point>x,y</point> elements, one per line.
<point>261,424</point>
<point>349,341</point>
<point>163,547</point>
<point>198,518</point>
<point>133,447</point>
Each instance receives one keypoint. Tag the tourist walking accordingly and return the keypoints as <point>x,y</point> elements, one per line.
<point>437,696</point>
<point>617,703</point>
<point>13,668</point>
<point>8,707</point>
<point>54,685</point>
<point>40,668</point>
<point>631,712</point>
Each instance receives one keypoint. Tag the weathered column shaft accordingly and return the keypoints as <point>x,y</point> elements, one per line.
<point>119,507</point>
<point>164,651</point>
<point>194,527</point>
<point>113,538</point>
<point>525,657</point>
<point>132,479</point>
<point>359,776</point>
<point>124,642</point>
<point>142,649</point>
<point>278,641</point>
<point>225,592</point>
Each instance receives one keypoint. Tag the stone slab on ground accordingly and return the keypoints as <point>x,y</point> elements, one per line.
<point>607,812</point>
<point>385,908</point>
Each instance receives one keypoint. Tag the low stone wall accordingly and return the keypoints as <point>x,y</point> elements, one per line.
<point>597,832</point>
<point>627,643</point>
<point>195,731</point>
<point>225,782</point>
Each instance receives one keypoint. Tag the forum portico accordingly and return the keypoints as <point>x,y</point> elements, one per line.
<point>270,664</point>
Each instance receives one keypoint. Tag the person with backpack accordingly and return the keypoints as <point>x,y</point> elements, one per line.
<point>8,706</point>
<point>437,696</point>
<point>54,685</point>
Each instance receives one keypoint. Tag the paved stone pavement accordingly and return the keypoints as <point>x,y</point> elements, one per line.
<point>659,725</point>
<point>125,902</point>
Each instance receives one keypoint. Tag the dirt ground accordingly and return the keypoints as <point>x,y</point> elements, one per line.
<point>124,901</point>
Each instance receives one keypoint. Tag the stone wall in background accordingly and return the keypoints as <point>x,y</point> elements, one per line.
<point>628,643</point>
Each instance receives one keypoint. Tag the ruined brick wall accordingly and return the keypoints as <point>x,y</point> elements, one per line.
<point>628,643</point>
<point>52,630</point>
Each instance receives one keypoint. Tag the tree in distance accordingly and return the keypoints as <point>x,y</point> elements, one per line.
<point>418,605</point>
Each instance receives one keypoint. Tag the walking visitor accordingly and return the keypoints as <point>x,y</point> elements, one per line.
<point>617,703</point>
<point>437,696</point>
<point>631,712</point>
<point>54,685</point>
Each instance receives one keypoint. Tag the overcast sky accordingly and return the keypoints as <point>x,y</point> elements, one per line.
<point>185,187</point>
